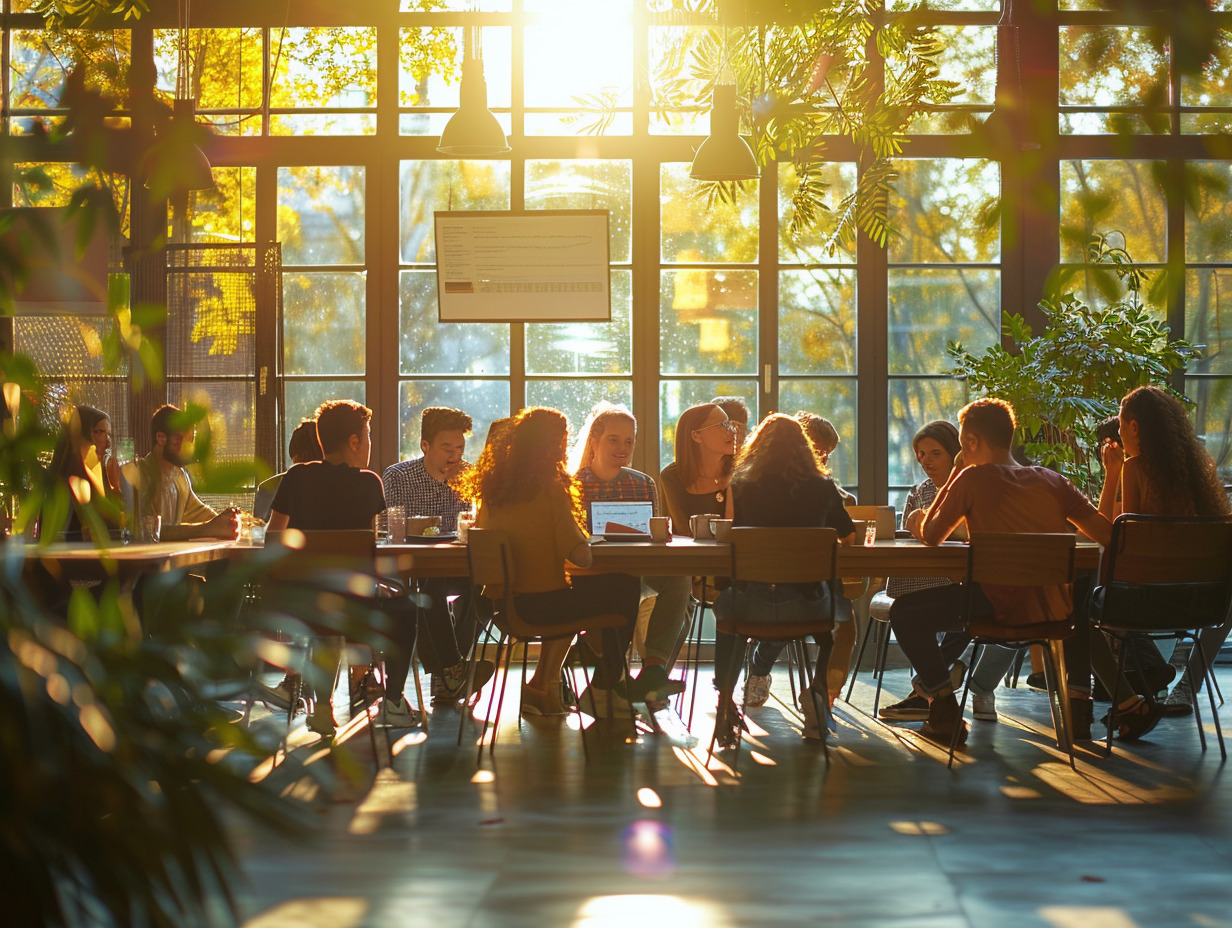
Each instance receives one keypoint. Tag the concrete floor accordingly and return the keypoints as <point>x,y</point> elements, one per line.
<point>646,834</point>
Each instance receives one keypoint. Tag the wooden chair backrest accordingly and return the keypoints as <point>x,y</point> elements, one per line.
<point>783,555</point>
<point>1021,558</point>
<point>882,515</point>
<point>309,555</point>
<point>1170,549</point>
<point>487,553</point>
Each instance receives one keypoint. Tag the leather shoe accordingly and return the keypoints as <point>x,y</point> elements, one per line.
<point>944,719</point>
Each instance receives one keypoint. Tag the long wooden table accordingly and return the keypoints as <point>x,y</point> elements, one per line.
<point>69,560</point>
<point>686,557</point>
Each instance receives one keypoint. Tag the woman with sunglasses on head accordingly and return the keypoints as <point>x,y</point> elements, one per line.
<point>696,483</point>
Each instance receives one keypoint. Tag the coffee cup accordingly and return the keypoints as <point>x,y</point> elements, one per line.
<point>658,529</point>
<point>721,529</point>
<point>699,525</point>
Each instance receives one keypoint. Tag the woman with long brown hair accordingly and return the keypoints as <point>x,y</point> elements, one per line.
<point>524,490</point>
<point>696,483</point>
<point>777,482</point>
<point>82,461</point>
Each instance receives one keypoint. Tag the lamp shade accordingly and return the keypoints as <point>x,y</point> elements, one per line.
<point>473,131</point>
<point>724,155</point>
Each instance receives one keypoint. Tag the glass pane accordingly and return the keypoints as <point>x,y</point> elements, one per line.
<point>587,185</point>
<point>427,346</point>
<point>809,247</point>
<point>225,214</point>
<point>1208,224</point>
<point>913,404</point>
<point>928,309</point>
<point>1098,287</point>
<point>232,417</point>
<point>597,72</point>
<point>575,398</point>
<point>1211,87</point>
<point>41,60</point>
<point>1208,319</point>
<point>708,322</point>
<point>63,346</point>
<point>1114,196</point>
<point>482,400</point>
<point>321,215</point>
<point>968,57</point>
<point>586,347</point>
<point>319,67</point>
<point>691,231</point>
<point>463,6</point>
<point>304,396</point>
<point>836,401</point>
<point>1109,66</point>
<point>675,396</point>
<point>817,322</point>
<point>226,68</point>
<point>324,323</point>
<point>428,186</point>
<point>674,92</point>
<point>944,209</point>
<point>1213,419</point>
<point>430,68</point>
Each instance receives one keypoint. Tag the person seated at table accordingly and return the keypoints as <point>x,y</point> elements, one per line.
<point>336,493</point>
<point>993,493</point>
<point>163,488</point>
<point>777,481</point>
<point>302,448</point>
<point>825,439</point>
<point>936,450</point>
<point>696,482</point>
<point>1161,468</point>
<point>604,450</point>
<point>422,486</point>
<point>525,490</point>
<point>82,462</point>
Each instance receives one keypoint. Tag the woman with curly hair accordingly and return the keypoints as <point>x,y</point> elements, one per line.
<point>524,490</point>
<point>1161,468</point>
<point>777,482</point>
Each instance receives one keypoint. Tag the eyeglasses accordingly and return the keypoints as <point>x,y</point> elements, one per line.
<point>726,423</point>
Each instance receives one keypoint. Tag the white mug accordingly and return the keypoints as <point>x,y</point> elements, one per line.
<point>658,529</point>
<point>699,525</point>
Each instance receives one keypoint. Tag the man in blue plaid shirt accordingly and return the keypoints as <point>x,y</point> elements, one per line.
<point>422,487</point>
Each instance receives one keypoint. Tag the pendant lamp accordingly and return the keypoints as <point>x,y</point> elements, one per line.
<point>176,164</point>
<point>724,155</point>
<point>473,131</point>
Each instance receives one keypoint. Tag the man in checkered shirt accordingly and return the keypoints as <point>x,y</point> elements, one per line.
<point>422,487</point>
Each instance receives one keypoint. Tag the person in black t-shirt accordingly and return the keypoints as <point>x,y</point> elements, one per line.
<point>336,493</point>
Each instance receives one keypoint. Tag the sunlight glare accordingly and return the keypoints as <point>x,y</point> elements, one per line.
<point>318,912</point>
<point>1073,916</point>
<point>620,911</point>
<point>649,798</point>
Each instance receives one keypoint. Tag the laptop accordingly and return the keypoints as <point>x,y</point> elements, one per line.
<point>621,520</point>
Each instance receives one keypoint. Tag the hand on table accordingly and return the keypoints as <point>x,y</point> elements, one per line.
<point>225,525</point>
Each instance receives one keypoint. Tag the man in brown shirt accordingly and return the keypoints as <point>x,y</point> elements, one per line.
<point>993,493</point>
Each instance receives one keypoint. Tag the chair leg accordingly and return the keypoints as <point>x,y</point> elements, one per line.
<point>859,659</point>
<point>1209,675</point>
<point>505,652</point>
<point>1116,694</point>
<point>822,713</point>
<point>697,623</point>
<point>883,654</point>
<point>476,653</point>
<point>1011,678</point>
<point>419,696</point>
<point>976,649</point>
<point>1058,693</point>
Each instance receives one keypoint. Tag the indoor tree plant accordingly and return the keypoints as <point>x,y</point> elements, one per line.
<point>1066,380</point>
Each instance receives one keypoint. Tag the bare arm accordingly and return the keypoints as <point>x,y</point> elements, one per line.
<point>1114,460</point>
<point>942,517</point>
<point>1131,486</point>
<point>278,521</point>
<point>581,555</point>
<point>1095,525</point>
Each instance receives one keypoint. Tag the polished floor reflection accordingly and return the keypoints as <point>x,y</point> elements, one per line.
<point>412,832</point>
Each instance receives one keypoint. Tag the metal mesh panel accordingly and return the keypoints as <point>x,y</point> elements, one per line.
<point>223,315</point>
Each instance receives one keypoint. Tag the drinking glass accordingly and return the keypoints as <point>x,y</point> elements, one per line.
<point>870,533</point>
<point>380,526</point>
<point>151,529</point>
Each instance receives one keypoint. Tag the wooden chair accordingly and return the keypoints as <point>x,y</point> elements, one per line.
<point>491,570</point>
<point>863,593</point>
<point>1166,577</point>
<point>783,555</point>
<point>1021,559</point>
<point>343,563</point>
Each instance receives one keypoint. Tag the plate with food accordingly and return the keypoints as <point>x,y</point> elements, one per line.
<point>439,538</point>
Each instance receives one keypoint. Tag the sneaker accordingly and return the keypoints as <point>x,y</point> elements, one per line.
<point>364,689</point>
<point>397,713</point>
<point>912,709</point>
<point>944,720</point>
<point>602,703</point>
<point>984,706</point>
<point>757,691</point>
<point>1180,701</point>
<point>653,685</point>
<point>448,686</point>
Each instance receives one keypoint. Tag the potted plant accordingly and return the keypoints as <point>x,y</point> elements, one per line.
<point>1066,380</point>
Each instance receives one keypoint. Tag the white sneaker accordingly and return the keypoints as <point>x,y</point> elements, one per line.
<point>984,706</point>
<point>397,713</point>
<point>957,673</point>
<point>757,691</point>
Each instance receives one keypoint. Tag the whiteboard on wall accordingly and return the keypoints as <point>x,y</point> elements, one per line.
<point>524,266</point>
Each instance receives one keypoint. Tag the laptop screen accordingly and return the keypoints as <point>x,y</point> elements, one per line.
<point>612,517</point>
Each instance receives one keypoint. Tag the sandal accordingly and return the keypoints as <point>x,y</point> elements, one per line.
<point>541,703</point>
<point>1138,720</point>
